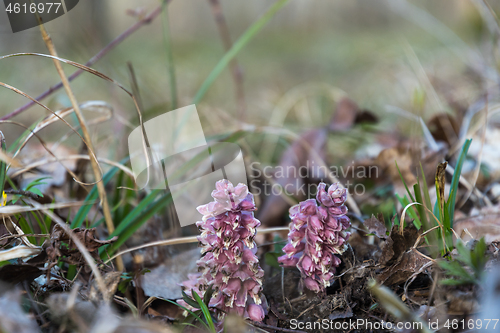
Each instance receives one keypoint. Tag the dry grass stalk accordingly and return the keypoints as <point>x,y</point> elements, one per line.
<point>86,135</point>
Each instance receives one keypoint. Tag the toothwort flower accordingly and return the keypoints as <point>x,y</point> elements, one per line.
<point>317,233</point>
<point>229,264</point>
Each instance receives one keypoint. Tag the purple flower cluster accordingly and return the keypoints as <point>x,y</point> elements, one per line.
<point>229,263</point>
<point>317,233</point>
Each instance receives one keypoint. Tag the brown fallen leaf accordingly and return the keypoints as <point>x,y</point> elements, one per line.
<point>108,320</point>
<point>397,244</point>
<point>409,263</point>
<point>401,261</point>
<point>344,115</point>
<point>85,316</point>
<point>403,156</point>
<point>297,155</point>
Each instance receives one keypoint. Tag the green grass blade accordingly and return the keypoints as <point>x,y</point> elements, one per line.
<point>136,212</point>
<point>426,189</point>
<point>450,204</point>
<point>206,311</point>
<point>420,208</point>
<point>189,311</point>
<point>437,208</point>
<point>26,228</point>
<point>237,47</point>
<point>479,257</point>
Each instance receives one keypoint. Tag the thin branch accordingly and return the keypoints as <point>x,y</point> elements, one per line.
<point>146,20</point>
<point>28,194</point>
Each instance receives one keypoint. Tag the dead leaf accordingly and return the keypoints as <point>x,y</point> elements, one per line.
<point>490,299</point>
<point>409,263</point>
<point>79,312</point>
<point>341,314</point>
<point>108,321</point>
<point>397,244</point>
<point>235,324</point>
<point>20,251</point>
<point>85,316</point>
<point>298,155</point>
<point>408,156</point>
<point>490,153</point>
<point>70,253</point>
<point>401,261</point>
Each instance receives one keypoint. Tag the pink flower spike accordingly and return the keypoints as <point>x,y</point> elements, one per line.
<point>317,233</point>
<point>229,264</point>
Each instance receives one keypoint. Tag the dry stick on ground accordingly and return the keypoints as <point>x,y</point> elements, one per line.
<point>236,71</point>
<point>93,160</point>
<point>147,19</point>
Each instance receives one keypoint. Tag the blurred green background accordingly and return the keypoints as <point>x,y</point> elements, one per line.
<point>379,52</point>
